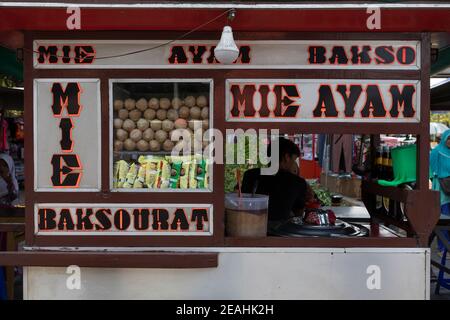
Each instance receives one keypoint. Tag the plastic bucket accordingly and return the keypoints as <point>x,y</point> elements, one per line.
<point>246,216</point>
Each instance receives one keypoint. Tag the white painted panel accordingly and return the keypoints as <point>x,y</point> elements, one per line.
<point>253,273</point>
<point>300,99</point>
<point>85,134</point>
<point>279,54</point>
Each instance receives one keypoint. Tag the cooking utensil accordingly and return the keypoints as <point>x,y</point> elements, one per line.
<point>336,199</point>
<point>297,228</point>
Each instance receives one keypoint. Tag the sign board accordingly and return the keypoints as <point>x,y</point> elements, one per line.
<point>123,219</point>
<point>322,100</point>
<point>199,54</point>
<point>67,148</point>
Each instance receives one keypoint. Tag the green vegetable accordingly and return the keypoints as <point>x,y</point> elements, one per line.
<point>322,194</point>
<point>230,169</point>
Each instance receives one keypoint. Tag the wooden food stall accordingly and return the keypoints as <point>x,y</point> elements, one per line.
<point>100,110</point>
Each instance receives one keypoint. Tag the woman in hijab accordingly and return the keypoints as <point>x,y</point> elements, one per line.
<point>9,188</point>
<point>440,168</point>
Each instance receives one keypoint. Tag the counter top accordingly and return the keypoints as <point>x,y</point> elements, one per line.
<point>351,213</point>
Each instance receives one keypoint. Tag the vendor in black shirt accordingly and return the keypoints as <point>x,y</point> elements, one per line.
<point>287,191</point>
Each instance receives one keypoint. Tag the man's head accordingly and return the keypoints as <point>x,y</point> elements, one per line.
<point>288,154</point>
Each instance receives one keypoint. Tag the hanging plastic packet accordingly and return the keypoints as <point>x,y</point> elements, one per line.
<point>180,166</point>
<point>163,180</point>
<point>192,174</point>
<point>195,162</point>
<point>175,174</point>
<point>116,174</point>
<point>123,169</point>
<point>184,174</point>
<point>131,176</point>
<point>201,173</point>
<point>140,179</point>
<point>206,176</point>
<point>152,169</point>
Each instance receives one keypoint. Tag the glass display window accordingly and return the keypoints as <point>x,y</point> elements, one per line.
<point>158,130</point>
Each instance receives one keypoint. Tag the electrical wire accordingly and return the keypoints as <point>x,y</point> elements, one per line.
<point>184,35</point>
<point>168,42</point>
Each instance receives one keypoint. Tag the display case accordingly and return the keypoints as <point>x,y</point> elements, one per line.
<point>159,135</point>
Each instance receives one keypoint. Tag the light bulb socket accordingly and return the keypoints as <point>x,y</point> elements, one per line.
<point>231,15</point>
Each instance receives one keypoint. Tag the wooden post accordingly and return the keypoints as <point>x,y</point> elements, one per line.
<point>10,246</point>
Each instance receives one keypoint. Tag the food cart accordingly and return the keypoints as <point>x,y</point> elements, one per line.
<point>165,240</point>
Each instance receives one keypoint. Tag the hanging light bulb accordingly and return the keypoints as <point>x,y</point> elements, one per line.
<point>226,51</point>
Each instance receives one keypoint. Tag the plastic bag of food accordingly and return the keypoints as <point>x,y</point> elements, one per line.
<point>197,173</point>
<point>319,217</point>
<point>201,174</point>
<point>163,180</point>
<point>207,176</point>
<point>152,169</point>
<point>331,217</point>
<point>151,173</point>
<point>122,170</point>
<point>140,179</point>
<point>175,171</point>
<point>192,173</point>
<point>115,174</point>
<point>131,176</point>
<point>184,174</point>
<point>180,167</point>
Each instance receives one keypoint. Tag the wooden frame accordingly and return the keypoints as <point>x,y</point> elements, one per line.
<point>422,222</point>
<point>111,259</point>
<point>210,82</point>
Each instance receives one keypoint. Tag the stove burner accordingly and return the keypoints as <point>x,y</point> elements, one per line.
<point>297,228</point>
